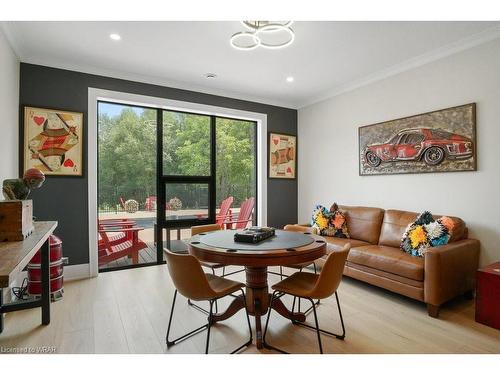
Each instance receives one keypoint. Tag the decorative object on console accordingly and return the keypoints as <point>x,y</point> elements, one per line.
<point>53,141</point>
<point>439,141</point>
<point>20,188</point>
<point>331,223</point>
<point>282,156</point>
<point>16,212</point>
<point>426,232</point>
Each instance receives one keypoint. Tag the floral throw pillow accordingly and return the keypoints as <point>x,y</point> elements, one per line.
<point>425,232</point>
<point>320,219</point>
<point>330,223</point>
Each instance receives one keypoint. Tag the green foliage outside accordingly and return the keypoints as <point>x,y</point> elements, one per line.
<point>127,157</point>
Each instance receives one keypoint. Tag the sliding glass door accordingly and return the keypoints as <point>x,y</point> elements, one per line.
<point>126,185</point>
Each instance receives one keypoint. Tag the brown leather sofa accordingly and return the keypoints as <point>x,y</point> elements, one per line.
<point>375,257</point>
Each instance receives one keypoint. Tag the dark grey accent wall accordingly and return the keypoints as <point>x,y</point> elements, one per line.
<point>65,198</point>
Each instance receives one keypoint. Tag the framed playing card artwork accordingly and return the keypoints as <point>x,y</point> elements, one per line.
<point>53,141</point>
<point>282,156</point>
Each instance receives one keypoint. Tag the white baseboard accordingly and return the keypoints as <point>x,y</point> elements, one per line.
<point>77,271</point>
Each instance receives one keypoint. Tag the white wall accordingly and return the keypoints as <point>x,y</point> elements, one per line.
<point>9,110</point>
<point>328,145</point>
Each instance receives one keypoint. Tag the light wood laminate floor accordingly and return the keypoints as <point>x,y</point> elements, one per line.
<point>127,312</point>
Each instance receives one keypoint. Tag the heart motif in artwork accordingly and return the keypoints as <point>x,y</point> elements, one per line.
<point>69,163</point>
<point>289,170</point>
<point>39,120</point>
<point>276,141</point>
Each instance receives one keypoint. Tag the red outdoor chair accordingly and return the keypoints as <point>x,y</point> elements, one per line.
<point>126,243</point>
<point>224,212</point>
<point>114,224</point>
<point>244,216</point>
<point>150,203</point>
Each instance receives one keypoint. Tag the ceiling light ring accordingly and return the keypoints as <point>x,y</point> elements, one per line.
<point>234,37</point>
<point>276,27</point>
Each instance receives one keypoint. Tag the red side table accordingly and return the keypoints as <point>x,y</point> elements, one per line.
<point>488,295</point>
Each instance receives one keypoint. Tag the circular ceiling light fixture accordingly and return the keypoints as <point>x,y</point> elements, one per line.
<point>245,41</point>
<point>275,28</point>
<point>290,79</point>
<point>266,34</point>
<point>115,36</point>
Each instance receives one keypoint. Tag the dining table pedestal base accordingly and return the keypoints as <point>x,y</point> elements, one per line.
<point>257,301</point>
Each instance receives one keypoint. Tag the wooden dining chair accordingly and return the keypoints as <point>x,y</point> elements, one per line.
<point>213,266</point>
<point>205,229</point>
<point>311,286</point>
<point>191,282</point>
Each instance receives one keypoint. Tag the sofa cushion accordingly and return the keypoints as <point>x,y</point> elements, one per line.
<point>395,224</point>
<point>336,243</point>
<point>387,275</point>
<point>364,222</point>
<point>388,259</point>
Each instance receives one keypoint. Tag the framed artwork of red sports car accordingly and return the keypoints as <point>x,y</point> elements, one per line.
<point>439,141</point>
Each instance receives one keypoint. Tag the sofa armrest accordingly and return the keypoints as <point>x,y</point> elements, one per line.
<point>299,228</point>
<point>450,270</point>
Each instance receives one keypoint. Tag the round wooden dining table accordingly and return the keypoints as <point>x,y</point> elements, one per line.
<point>285,248</point>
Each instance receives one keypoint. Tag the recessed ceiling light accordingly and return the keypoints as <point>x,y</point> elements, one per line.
<point>115,36</point>
<point>210,75</point>
<point>289,79</point>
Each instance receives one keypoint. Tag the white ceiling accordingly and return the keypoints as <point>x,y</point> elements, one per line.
<point>325,59</point>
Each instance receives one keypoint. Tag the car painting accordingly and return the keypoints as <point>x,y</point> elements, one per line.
<point>432,146</point>
<point>440,141</point>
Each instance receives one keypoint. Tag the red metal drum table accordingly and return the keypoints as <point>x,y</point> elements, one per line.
<point>286,248</point>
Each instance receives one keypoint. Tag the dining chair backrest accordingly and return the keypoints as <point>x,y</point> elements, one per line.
<point>188,276</point>
<point>245,213</point>
<point>204,228</point>
<point>331,274</point>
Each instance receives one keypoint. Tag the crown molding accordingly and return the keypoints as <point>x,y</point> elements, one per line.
<point>10,38</point>
<point>426,58</point>
<point>158,81</point>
